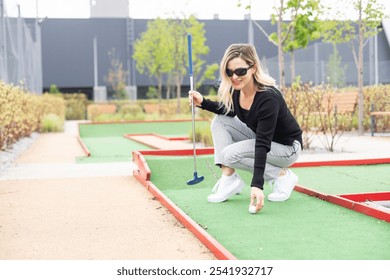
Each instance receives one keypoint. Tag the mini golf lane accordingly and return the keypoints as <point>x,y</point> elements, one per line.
<point>167,128</point>
<point>303,227</point>
<point>109,149</point>
<point>346,179</point>
<point>107,142</point>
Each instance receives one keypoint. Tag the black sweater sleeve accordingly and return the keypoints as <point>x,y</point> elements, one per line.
<point>269,118</point>
<point>267,112</point>
<point>272,121</point>
<point>215,107</point>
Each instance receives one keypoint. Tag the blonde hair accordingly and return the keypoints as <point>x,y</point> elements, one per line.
<point>248,53</point>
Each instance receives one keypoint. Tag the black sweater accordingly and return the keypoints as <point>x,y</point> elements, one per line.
<point>269,118</point>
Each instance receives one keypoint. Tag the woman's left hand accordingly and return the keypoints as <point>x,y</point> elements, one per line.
<point>195,97</point>
<point>257,195</point>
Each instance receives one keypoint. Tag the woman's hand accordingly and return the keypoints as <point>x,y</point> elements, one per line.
<point>257,195</point>
<point>195,96</point>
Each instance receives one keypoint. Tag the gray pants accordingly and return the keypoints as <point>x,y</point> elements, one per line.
<point>234,146</point>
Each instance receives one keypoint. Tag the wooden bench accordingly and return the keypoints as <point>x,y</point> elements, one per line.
<point>150,108</point>
<point>335,105</point>
<point>341,102</point>
<point>374,114</point>
<point>93,110</point>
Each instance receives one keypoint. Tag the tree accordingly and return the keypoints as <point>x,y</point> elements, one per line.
<point>335,71</point>
<point>153,52</point>
<point>369,14</point>
<point>302,27</point>
<point>162,52</point>
<point>305,28</point>
<point>180,29</point>
<point>116,77</point>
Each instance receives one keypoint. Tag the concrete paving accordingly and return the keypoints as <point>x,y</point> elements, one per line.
<point>53,208</point>
<point>348,146</point>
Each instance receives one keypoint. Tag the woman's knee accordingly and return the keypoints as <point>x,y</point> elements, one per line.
<point>229,156</point>
<point>217,121</point>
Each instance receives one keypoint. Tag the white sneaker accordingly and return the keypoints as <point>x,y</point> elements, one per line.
<point>283,186</point>
<point>225,188</point>
<point>216,186</point>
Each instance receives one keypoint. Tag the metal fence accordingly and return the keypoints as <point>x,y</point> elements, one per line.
<point>314,65</point>
<point>20,52</point>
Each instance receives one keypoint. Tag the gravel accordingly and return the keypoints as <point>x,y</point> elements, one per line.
<point>8,156</point>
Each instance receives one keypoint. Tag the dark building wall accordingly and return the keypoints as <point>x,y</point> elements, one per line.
<point>67,48</point>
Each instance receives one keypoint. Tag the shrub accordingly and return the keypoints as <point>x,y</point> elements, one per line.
<point>51,123</point>
<point>54,104</point>
<point>21,112</point>
<point>130,109</point>
<point>379,96</point>
<point>202,135</point>
<point>94,110</point>
<point>54,89</point>
<point>76,106</point>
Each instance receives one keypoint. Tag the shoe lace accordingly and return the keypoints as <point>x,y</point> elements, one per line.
<point>275,186</point>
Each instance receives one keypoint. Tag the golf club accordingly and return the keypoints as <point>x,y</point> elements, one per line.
<point>196,179</point>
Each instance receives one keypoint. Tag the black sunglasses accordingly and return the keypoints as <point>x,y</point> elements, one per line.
<point>238,71</point>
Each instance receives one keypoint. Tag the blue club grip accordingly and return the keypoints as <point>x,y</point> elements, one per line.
<point>189,39</point>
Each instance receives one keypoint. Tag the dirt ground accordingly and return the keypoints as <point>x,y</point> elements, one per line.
<point>52,208</point>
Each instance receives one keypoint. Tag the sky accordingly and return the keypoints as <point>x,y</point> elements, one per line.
<point>203,9</point>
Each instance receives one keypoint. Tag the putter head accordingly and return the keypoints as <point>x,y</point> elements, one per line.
<point>195,180</point>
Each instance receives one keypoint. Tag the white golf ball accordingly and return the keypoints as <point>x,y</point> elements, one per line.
<point>252,209</point>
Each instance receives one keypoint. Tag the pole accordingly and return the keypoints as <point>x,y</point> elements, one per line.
<point>3,46</point>
<point>95,64</point>
<point>376,70</point>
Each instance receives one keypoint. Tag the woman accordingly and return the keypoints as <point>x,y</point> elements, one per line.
<point>253,129</point>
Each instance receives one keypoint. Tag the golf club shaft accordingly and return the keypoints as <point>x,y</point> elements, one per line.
<point>193,122</point>
<point>189,37</point>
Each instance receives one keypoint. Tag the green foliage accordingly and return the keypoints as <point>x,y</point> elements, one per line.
<point>116,77</point>
<point>52,104</point>
<point>76,106</point>
<point>54,89</point>
<point>368,14</point>
<point>379,97</point>
<point>337,31</point>
<point>131,112</point>
<point>202,135</point>
<point>297,82</point>
<point>152,92</point>
<point>161,52</point>
<point>313,110</point>
<point>303,27</point>
<point>132,109</point>
<point>343,30</point>
<point>335,71</point>
<point>21,112</point>
<point>51,123</point>
<point>152,50</point>
<point>209,73</point>
<point>212,91</point>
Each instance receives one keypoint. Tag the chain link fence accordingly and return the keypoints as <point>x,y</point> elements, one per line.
<point>20,51</point>
<point>322,63</point>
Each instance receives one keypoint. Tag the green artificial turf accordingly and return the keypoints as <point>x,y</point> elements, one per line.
<point>106,142</point>
<point>346,179</point>
<point>301,228</point>
<point>182,128</point>
<point>110,149</point>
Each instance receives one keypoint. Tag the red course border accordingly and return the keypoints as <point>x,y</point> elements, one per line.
<point>143,176</point>
<point>352,201</point>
